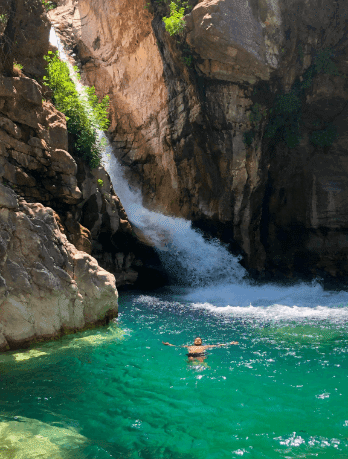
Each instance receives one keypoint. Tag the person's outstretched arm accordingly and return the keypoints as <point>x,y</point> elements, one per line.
<point>174,345</point>
<point>209,346</point>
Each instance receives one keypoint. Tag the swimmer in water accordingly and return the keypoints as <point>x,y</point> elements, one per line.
<point>197,350</point>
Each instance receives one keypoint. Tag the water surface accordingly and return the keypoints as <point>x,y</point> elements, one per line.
<point>119,393</point>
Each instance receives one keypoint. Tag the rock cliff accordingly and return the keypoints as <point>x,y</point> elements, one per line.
<point>58,218</point>
<point>239,124</point>
<point>47,286</point>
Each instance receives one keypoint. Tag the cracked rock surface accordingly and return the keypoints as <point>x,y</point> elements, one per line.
<point>48,287</point>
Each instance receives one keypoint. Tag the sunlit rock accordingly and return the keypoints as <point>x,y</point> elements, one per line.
<point>25,438</point>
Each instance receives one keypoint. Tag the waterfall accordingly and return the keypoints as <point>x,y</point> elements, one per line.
<point>219,282</point>
<point>185,253</point>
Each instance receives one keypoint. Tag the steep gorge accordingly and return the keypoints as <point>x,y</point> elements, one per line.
<point>58,218</point>
<point>238,125</point>
<point>192,137</point>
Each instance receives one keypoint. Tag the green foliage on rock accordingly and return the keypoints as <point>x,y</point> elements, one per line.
<point>48,4</point>
<point>248,137</point>
<point>84,115</point>
<point>3,18</point>
<point>187,60</point>
<point>256,114</point>
<point>175,23</point>
<point>323,64</point>
<point>324,137</point>
<point>18,66</point>
<point>285,113</point>
<point>284,122</point>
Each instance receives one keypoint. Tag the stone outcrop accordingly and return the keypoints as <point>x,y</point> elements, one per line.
<point>193,137</point>
<point>47,286</point>
<point>35,161</point>
<point>24,35</point>
<point>34,143</point>
<point>58,218</point>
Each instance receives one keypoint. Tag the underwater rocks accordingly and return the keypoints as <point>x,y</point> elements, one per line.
<point>24,437</point>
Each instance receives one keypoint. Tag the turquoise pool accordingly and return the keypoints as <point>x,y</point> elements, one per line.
<point>117,392</point>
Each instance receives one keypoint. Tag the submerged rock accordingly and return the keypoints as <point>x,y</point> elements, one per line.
<point>22,437</point>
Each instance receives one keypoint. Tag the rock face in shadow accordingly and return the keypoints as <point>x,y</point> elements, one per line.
<point>237,125</point>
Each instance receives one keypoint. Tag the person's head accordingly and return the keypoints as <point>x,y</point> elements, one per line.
<point>198,341</point>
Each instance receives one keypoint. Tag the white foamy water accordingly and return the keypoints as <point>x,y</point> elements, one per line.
<point>184,251</point>
<point>186,255</point>
<point>218,283</point>
<point>55,41</point>
<point>335,313</point>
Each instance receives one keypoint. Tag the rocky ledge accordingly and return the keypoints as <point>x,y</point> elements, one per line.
<point>47,286</point>
<point>65,239</point>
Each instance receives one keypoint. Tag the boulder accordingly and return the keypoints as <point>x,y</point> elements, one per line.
<point>49,287</point>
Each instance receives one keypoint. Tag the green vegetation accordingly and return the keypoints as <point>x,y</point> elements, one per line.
<point>284,123</point>
<point>256,114</point>
<point>17,66</point>
<point>323,64</point>
<point>187,60</point>
<point>84,115</point>
<point>100,182</point>
<point>286,112</point>
<point>248,137</point>
<point>175,23</point>
<point>3,18</point>
<point>324,137</point>
<point>49,5</point>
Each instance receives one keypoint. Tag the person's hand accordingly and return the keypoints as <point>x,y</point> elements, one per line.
<point>234,342</point>
<point>166,344</point>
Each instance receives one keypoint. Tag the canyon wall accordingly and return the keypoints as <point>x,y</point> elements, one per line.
<point>238,124</point>
<point>65,238</point>
<point>48,285</point>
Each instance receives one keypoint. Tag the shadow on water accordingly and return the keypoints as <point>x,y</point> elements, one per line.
<point>77,345</point>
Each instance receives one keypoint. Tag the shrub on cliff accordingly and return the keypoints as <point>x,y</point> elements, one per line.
<point>49,5</point>
<point>324,137</point>
<point>175,22</point>
<point>84,115</point>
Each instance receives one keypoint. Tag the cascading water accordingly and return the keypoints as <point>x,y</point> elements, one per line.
<point>184,252</point>
<point>214,276</point>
